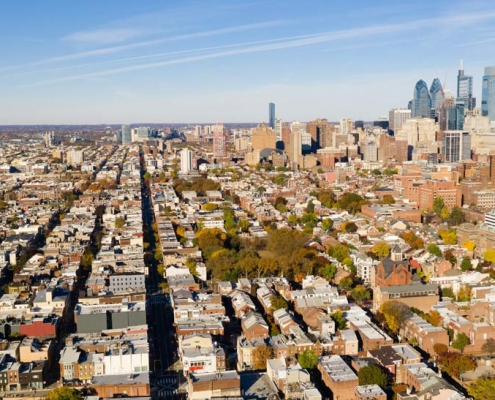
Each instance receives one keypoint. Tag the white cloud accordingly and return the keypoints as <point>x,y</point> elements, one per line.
<point>106,35</point>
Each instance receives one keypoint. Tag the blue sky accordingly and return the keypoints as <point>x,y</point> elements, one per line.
<point>128,61</point>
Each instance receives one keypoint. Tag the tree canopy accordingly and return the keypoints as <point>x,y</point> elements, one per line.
<point>482,388</point>
<point>373,375</point>
<point>395,314</point>
<point>381,249</point>
<point>64,393</point>
<point>308,359</point>
<point>461,341</point>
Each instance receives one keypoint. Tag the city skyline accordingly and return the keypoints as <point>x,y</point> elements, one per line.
<point>225,61</point>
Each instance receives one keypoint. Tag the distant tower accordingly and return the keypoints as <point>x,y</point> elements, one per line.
<point>278,129</point>
<point>436,95</point>
<point>207,130</point>
<point>186,161</point>
<point>271,115</point>
<point>49,139</point>
<point>465,89</point>
<point>219,140</point>
<point>296,145</point>
<point>396,254</point>
<point>421,104</point>
<point>488,94</point>
<point>126,134</point>
<point>197,131</point>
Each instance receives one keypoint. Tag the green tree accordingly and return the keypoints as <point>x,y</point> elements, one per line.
<point>457,216</point>
<point>63,393</point>
<point>349,227</point>
<point>466,264</point>
<point>340,321</point>
<point>278,302</point>
<point>339,251</point>
<point>327,224</point>
<point>191,264</point>
<point>243,225</point>
<point>310,208</point>
<point>395,314</point>
<point>455,364</point>
<point>388,199</point>
<point>308,359</point>
<point>482,388</point>
<point>346,283</point>
<point>438,205</point>
<point>460,342</point>
<point>448,292</point>
<point>373,375</point>
<point>229,218</point>
<point>434,250</point>
<point>210,207</point>
<point>329,271</point>
<point>381,249</point>
<point>489,346</point>
<point>292,219</point>
<point>360,294</point>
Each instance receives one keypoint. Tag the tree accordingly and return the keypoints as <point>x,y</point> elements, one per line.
<point>440,348</point>
<point>63,393</point>
<point>448,236</point>
<point>466,263</point>
<point>329,271</point>
<point>210,207</point>
<point>457,216</point>
<point>339,251</point>
<point>448,292</point>
<point>191,264</point>
<point>327,224</point>
<point>434,318</point>
<point>119,222</point>
<point>482,388</point>
<point>381,249</point>
<point>310,208</point>
<point>261,355</point>
<point>460,342</point>
<point>346,283</point>
<point>449,256</point>
<point>278,302</point>
<point>243,225</point>
<point>308,359</point>
<point>395,314</point>
<point>469,245</point>
<point>489,346</point>
<point>349,227</point>
<point>445,213</point>
<point>434,250</point>
<point>360,294</point>
<point>388,199</point>
<point>438,205</point>
<point>489,255</point>
<point>464,293</point>
<point>373,375</point>
<point>455,364</point>
<point>340,321</point>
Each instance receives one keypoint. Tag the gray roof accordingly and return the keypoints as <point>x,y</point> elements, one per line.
<point>409,288</point>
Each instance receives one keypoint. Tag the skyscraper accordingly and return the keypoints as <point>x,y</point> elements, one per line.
<point>456,146</point>
<point>126,134</point>
<point>278,129</point>
<point>436,95</point>
<point>488,94</point>
<point>271,115</point>
<point>186,161</point>
<point>263,138</point>
<point>465,89</point>
<point>421,103</point>
<point>296,146</point>
<point>219,140</point>
<point>396,117</point>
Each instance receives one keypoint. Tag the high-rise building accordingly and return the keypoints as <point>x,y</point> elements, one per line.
<point>263,137</point>
<point>126,134</point>
<point>456,146</point>
<point>296,146</point>
<point>207,130</point>
<point>345,126</point>
<point>421,103</point>
<point>286,134</point>
<point>271,115</point>
<point>197,131</point>
<point>465,89</point>
<point>436,95</point>
<point>75,157</point>
<point>488,94</point>
<point>397,117</point>
<point>49,138</point>
<point>321,134</point>
<point>186,161</point>
<point>278,129</point>
<point>219,140</point>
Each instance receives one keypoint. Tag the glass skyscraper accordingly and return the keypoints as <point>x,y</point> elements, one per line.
<point>126,134</point>
<point>271,115</point>
<point>488,94</point>
<point>465,89</point>
<point>436,94</point>
<point>421,104</point>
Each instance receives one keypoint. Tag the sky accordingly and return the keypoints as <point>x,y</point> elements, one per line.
<point>193,61</point>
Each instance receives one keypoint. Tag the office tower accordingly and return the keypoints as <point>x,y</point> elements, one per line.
<point>278,129</point>
<point>271,115</point>
<point>345,126</point>
<point>321,134</point>
<point>465,89</point>
<point>421,103</point>
<point>263,137</point>
<point>49,138</point>
<point>456,146</point>
<point>197,131</point>
<point>207,130</point>
<point>417,130</point>
<point>286,134</point>
<point>370,152</point>
<point>296,146</point>
<point>488,94</point>
<point>219,140</point>
<point>126,134</point>
<point>186,161</point>
<point>397,117</point>
<point>436,95</point>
